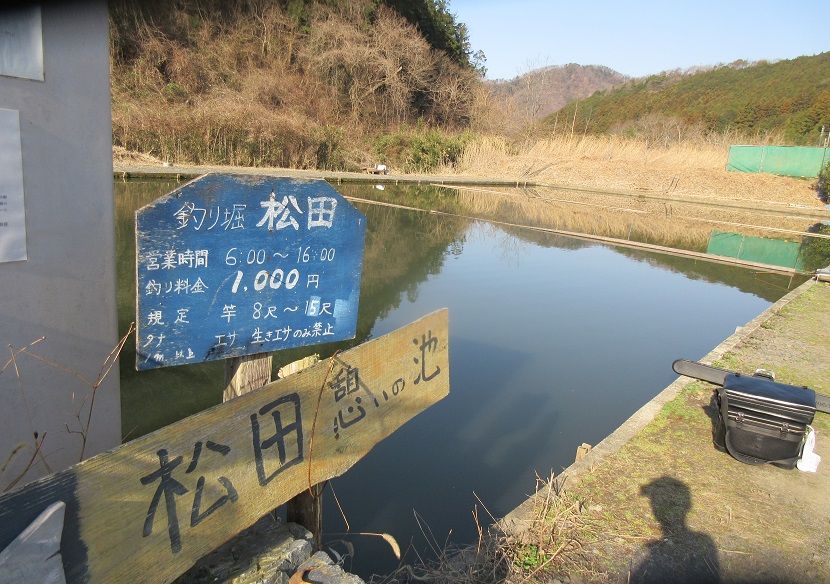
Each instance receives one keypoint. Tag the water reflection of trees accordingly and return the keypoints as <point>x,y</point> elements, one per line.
<point>403,248</point>
<point>668,224</point>
<point>764,285</point>
<point>425,197</point>
<point>534,209</point>
<point>548,239</point>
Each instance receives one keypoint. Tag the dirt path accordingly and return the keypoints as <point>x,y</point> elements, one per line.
<point>667,506</point>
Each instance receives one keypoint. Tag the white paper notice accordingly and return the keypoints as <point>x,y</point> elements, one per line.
<point>21,41</point>
<point>12,212</point>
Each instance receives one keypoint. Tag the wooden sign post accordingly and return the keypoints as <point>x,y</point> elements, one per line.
<point>233,266</point>
<point>146,511</point>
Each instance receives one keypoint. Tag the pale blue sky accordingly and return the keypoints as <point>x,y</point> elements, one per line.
<point>640,38</point>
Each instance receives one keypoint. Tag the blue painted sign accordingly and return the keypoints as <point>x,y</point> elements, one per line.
<point>232,265</point>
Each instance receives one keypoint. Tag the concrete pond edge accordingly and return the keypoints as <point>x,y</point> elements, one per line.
<point>521,517</point>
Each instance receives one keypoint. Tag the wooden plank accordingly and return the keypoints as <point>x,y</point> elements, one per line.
<point>145,512</point>
<point>245,374</point>
<point>297,366</point>
<point>306,508</point>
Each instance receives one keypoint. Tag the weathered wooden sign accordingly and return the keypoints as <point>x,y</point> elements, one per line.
<point>145,512</point>
<point>232,265</point>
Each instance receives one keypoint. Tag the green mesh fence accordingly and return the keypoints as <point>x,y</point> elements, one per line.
<point>775,252</point>
<point>801,161</point>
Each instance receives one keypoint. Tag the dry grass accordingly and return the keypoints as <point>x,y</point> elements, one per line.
<point>609,148</point>
<point>550,543</point>
<point>547,545</point>
<point>254,85</point>
<point>121,155</point>
<point>609,162</point>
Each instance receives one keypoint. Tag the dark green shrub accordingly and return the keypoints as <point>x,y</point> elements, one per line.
<point>174,92</point>
<point>419,150</point>
<point>330,149</point>
<point>824,182</point>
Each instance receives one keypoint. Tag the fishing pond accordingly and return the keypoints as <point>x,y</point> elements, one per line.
<point>554,341</point>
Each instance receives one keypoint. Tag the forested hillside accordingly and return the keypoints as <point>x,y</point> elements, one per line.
<point>788,99</point>
<point>291,83</point>
<point>332,84</point>
<point>533,95</point>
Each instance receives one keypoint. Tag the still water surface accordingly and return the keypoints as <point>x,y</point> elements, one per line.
<point>553,342</point>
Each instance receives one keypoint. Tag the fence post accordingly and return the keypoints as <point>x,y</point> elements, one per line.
<point>306,508</point>
<point>244,374</point>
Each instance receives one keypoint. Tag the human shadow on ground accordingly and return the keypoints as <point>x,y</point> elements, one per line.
<point>679,555</point>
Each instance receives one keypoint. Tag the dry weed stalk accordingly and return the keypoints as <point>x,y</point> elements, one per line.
<point>550,541</point>
<point>547,544</point>
<point>82,411</point>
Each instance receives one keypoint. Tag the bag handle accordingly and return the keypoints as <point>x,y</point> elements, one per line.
<point>745,458</point>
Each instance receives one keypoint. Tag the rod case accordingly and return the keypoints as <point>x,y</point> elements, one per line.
<point>760,421</point>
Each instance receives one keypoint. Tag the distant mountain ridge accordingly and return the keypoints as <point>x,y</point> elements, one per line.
<point>788,98</point>
<point>539,92</point>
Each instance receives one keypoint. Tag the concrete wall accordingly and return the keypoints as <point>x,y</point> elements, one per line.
<point>65,291</point>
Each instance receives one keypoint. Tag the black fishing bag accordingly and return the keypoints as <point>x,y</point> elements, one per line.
<point>761,421</point>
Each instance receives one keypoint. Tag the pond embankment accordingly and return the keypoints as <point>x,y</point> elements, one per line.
<point>726,201</point>
<point>659,503</point>
<point>179,172</point>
